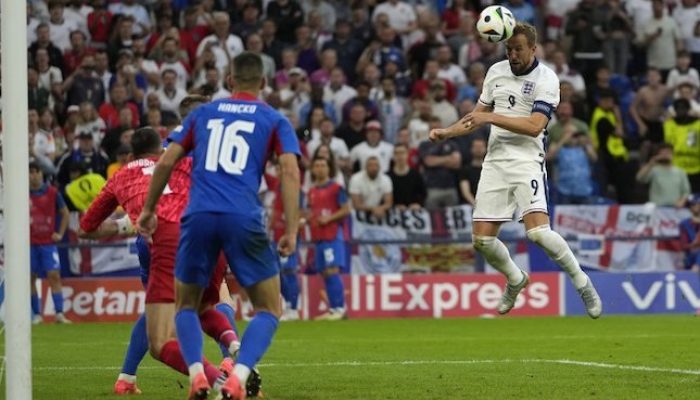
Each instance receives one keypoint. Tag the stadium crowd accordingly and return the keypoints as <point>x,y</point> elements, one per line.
<point>366,80</point>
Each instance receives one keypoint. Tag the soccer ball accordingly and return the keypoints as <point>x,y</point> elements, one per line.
<point>496,24</point>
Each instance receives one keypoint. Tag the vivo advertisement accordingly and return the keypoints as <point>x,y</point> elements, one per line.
<point>640,293</point>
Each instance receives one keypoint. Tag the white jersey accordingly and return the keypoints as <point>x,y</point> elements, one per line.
<point>537,90</point>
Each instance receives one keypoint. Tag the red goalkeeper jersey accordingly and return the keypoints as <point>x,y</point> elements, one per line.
<point>129,187</point>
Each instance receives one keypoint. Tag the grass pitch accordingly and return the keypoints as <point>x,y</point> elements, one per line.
<point>505,358</point>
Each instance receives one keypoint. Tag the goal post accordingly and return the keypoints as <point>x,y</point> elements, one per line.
<point>15,151</point>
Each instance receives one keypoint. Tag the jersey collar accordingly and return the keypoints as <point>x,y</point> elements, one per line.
<point>244,96</point>
<point>532,68</point>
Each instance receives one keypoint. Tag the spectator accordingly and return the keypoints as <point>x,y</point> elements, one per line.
<point>224,44</point>
<point>371,190</point>
<point>288,16</point>
<point>47,208</point>
<point>326,12</point>
<point>683,73</point>
<point>102,71</point>
<point>394,112</point>
<point>578,102</point>
<point>123,155</point>
<point>352,131</point>
<point>117,136</point>
<point>427,49</point>
<point>316,100</point>
<point>440,107</point>
<point>37,95</point>
<point>254,44</point>
<point>574,155</point>
<point>469,175</point>
<point>409,189</point>
<point>464,44</point>
<point>91,122</point>
<point>337,93</point>
<point>690,234</point>
<point>687,17</point>
<point>109,112</point>
<point>271,45</point>
<point>337,146</point>
<point>403,137</point>
<point>306,50</point>
<point>43,41</point>
<point>348,48</point>
<point>312,127</point>
<point>250,23</point>
<point>565,122</point>
<point>606,134</point>
<point>686,91</point>
<point>440,163</point>
<point>86,155</point>
<point>454,16</point>
<point>121,39</point>
<point>289,62</point>
<point>191,34</point>
<point>363,89</point>
<point>127,74</point>
<point>682,132</point>
<point>82,85</point>
<point>99,23</point>
<point>472,90</point>
<point>422,86</point>
<point>566,74</point>
<point>618,31</point>
<point>668,184</point>
<point>320,35</point>
<point>146,67</point>
<point>419,125</point>
<point>212,86</point>
<point>296,93</point>
<point>449,71</point>
<point>173,60</point>
<point>522,10</point>
<point>361,24</point>
<point>647,109</point>
<point>154,119</point>
<point>329,61</point>
<point>662,39</point>
<point>585,24</point>
<point>373,146</point>
<point>381,52</point>
<point>402,17</point>
<point>137,12</point>
<point>73,56</point>
<point>50,77</point>
<point>43,145</point>
<point>60,27</point>
<point>32,23</point>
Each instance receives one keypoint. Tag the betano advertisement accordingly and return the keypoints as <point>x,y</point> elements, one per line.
<point>420,296</point>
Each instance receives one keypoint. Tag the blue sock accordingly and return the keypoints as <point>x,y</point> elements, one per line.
<point>290,288</point>
<point>138,346</point>
<point>36,309</point>
<point>189,335</point>
<point>336,293</point>
<point>230,314</point>
<point>257,338</point>
<point>57,302</point>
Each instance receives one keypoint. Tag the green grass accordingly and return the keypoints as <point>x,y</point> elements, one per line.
<point>409,359</point>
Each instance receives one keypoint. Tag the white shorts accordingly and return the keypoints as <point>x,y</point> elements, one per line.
<point>509,187</point>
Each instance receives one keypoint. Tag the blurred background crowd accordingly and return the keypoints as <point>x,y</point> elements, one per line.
<point>364,81</point>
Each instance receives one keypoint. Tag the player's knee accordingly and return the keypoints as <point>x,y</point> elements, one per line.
<point>483,244</point>
<point>539,234</point>
<point>155,345</point>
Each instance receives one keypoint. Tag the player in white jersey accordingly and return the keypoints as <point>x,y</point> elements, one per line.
<point>518,98</point>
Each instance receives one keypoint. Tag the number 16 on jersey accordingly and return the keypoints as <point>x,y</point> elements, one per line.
<point>226,147</point>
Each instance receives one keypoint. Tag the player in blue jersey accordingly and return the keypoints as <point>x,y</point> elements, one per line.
<point>230,141</point>
<point>690,234</point>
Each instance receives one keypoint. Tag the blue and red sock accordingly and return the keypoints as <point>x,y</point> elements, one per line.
<point>336,293</point>
<point>138,346</point>
<point>216,325</point>
<point>57,302</point>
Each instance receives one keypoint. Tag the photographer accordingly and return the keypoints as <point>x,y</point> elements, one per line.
<point>668,184</point>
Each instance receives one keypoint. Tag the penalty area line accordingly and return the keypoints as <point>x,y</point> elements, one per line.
<point>589,364</point>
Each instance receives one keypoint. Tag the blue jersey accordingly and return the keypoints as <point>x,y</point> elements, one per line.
<point>230,141</point>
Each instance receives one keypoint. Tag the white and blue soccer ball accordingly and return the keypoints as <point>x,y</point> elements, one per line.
<point>496,24</point>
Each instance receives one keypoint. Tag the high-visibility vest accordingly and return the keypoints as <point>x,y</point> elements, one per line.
<point>615,145</point>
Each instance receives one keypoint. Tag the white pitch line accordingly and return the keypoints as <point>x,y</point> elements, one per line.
<point>590,364</point>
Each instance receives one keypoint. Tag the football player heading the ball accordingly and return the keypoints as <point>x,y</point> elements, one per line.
<point>518,98</point>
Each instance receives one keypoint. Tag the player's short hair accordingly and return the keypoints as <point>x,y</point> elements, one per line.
<point>248,68</point>
<point>190,102</point>
<point>145,141</point>
<point>330,161</point>
<point>523,28</point>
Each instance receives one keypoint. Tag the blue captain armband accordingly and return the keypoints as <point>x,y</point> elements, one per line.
<point>543,107</point>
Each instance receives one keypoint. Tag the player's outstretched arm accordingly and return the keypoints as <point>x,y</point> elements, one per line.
<point>290,179</point>
<point>531,125</point>
<point>110,228</point>
<point>161,175</point>
<point>459,128</point>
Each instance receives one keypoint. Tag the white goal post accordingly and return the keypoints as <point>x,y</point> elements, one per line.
<point>15,151</point>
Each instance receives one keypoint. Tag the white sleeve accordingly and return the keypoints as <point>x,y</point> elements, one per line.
<point>343,151</point>
<point>486,97</point>
<point>546,95</point>
<point>388,185</point>
<point>354,185</point>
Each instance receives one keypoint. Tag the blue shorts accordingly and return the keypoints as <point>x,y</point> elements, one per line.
<point>144,253</point>
<point>330,253</point>
<point>242,238</point>
<point>44,258</point>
